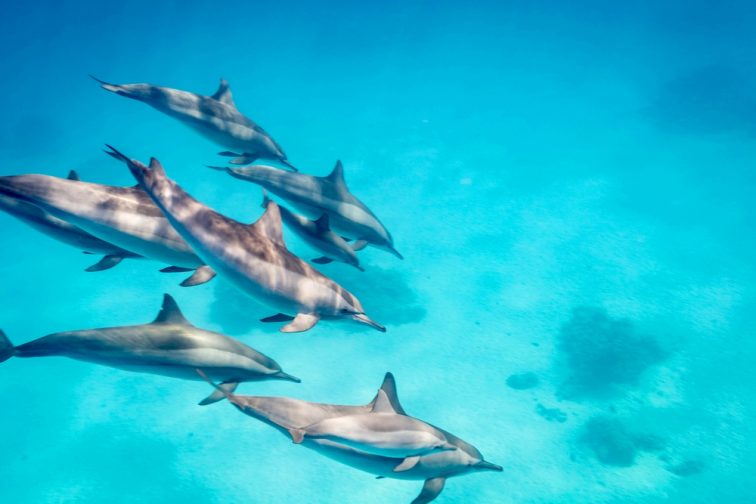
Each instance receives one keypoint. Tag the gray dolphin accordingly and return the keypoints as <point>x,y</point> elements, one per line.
<point>215,117</point>
<point>319,236</point>
<point>380,432</point>
<point>64,232</point>
<point>123,216</point>
<point>315,196</point>
<point>285,414</point>
<point>168,346</point>
<point>253,257</point>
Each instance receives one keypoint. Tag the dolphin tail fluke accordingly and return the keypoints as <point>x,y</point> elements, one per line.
<point>226,392</point>
<point>222,392</point>
<point>297,435</point>
<point>7,350</point>
<point>107,262</point>
<point>201,275</point>
<point>431,489</point>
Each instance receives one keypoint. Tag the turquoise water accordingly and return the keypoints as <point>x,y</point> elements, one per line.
<point>571,189</point>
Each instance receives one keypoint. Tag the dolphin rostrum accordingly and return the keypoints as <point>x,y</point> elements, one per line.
<point>168,346</point>
<point>319,236</point>
<point>253,257</point>
<point>285,414</point>
<point>315,196</point>
<point>123,216</point>
<point>64,232</point>
<point>215,117</point>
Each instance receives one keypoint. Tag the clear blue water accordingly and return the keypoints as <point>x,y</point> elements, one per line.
<point>572,188</point>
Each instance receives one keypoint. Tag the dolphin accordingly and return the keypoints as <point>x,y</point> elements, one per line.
<point>214,117</point>
<point>253,257</point>
<point>285,414</point>
<point>315,196</point>
<point>64,232</point>
<point>123,216</point>
<point>168,346</point>
<point>319,236</point>
<point>379,433</point>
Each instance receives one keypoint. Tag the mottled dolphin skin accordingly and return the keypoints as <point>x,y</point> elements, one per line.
<point>215,117</point>
<point>253,257</point>
<point>64,232</point>
<point>319,236</point>
<point>315,196</point>
<point>285,414</point>
<point>123,216</point>
<point>168,346</point>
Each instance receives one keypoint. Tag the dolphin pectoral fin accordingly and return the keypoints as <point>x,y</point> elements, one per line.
<point>297,435</point>
<point>431,489</point>
<point>322,260</point>
<point>175,269</point>
<point>407,464</point>
<point>223,391</point>
<point>302,322</point>
<point>7,350</point>
<point>201,275</point>
<point>106,262</point>
<point>359,245</point>
<point>278,317</point>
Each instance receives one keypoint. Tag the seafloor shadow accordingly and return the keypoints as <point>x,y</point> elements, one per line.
<point>599,356</point>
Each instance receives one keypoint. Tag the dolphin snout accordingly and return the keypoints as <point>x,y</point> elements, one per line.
<point>287,377</point>
<point>364,319</point>
<point>488,466</point>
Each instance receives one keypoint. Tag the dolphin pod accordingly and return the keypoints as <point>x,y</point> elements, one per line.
<point>287,414</point>
<point>315,196</point>
<point>253,257</point>
<point>169,345</point>
<point>122,216</point>
<point>158,220</point>
<point>63,231</point>
<point>215,117</point>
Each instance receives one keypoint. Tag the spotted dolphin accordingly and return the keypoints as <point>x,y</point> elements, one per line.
<point>319,236</point>
<point>285,414</point>
<point>315,196</point>
<point>123,216</point>
<point>215,117</point>
<point>168,346</point>
<point>253,257</point>
<point>64,232</point>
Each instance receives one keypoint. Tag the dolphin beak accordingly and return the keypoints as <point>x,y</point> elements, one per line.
<point>364,319</point>
<point>488,466</point>
<point>287,377</point>
<point>395,252</point>
<point>114,88</point>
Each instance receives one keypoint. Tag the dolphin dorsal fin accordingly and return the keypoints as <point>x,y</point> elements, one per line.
<point>382,404</point>
<point>72,175</point>
<point>323,223</point>
<point>337,175</point>
<point>269,224</point>
<point>170,312</point>
<point>223,94</point>
<point>387,395</point>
